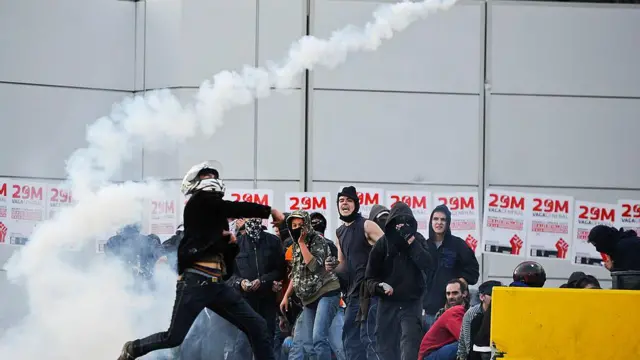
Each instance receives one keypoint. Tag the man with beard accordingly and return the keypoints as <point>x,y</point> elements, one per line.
<point>203,254</point>
<point>356,236</point>
<point>258,265</point>
<point>453,258</point>
<point>398,265</point>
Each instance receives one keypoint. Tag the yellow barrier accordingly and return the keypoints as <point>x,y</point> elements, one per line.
<point>565,324</point>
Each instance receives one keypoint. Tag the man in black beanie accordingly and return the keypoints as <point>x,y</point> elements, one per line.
<point>355,238</point>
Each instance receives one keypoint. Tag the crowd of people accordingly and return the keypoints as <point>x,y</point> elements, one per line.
<point>379,290</point>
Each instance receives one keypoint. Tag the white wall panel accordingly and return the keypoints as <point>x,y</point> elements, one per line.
<point>281,136</point>
<point>232,144</point>
<point>395,137</point>
<point>551,141</point>
<point>42,126</point>
<point>216,36</point>
<point>547,48</point>
<point>68,42</point>
<point>442,53</point>
<point>189,41</point>
<point>280,24</point>
<point>162,52</point>
<point>280,188</point>
<point>140,45</point>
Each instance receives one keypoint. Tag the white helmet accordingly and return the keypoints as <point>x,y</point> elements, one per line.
<point>191,183</point>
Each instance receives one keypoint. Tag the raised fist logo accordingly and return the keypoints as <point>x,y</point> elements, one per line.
<point>3,232</point>
<point>562,248</point>
<point>516,245</point>
<point>472,242</point>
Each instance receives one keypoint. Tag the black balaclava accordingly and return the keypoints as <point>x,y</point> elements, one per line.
<point>352,194</point>
<point>318,222</point>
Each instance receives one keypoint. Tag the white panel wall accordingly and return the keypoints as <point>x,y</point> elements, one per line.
<point>44,125</point>
<point>442,53</point>
<point>68,43</point>
<point>566,49</point>
<point>563,107</point>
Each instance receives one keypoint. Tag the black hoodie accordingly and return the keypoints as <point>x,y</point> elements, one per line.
<point>454,259</point>
<point>622,246</point>
<point>393,261</point>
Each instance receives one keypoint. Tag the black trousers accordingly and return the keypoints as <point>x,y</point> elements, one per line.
<point>399,329</point>
<point>266,308</point>
<point>193,294</point>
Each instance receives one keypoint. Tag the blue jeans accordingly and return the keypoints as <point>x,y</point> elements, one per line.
<point>315,324</point>
<point>301,346</point>
<point>447,352</point>
<point>359,338</point>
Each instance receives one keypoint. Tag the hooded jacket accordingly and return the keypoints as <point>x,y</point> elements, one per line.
<point>311,281</point>
<point>453,259</point>
<point>622,246</point>
<point>379,215</point>
<point>405,267</point>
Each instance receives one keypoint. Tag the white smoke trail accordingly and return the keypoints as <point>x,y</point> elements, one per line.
<point>89,314</point>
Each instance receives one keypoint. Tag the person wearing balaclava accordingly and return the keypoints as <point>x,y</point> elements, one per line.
<point>379,214</point>
<point>397,266</point>
<point>623,247</point>
<point>317,289</point>
<point>259,263</point>
<point>354,240</point>
<point>453,258</point>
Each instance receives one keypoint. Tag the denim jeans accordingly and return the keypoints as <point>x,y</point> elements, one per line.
<point>301,346</point>
<point>359,337</point>
<point>193,294</point>
<point>447,352</point>
<point>315,323</point>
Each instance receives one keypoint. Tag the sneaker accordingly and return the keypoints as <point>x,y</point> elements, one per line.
<point>127,350</point>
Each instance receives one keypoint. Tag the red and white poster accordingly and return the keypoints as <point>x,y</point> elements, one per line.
<point>504,224</point>
<point>5,210</point>
<point>628,212</point>
<point>586,216</point>
<point>58,197</point>
<point>258,196</point>
<point>368,197</point>
<point>162,216</point>
<point>28,206</point>
<point>418,201</point>
<point>549,225</point>
<point>465,216</point>
<point>312,202</point>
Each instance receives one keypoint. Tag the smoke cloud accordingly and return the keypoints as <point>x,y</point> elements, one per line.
<point>85,307</point>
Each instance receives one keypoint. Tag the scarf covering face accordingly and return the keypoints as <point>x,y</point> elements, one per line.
<point>253,228</point>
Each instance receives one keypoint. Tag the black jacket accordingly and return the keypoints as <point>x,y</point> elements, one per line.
<point>623,246</point>
<point>393,261</point>
<point>206,216</point>
<point>259,259</point>
<point>453,259</point>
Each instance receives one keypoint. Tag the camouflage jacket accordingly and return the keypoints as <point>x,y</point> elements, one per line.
<point>309,278</point>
